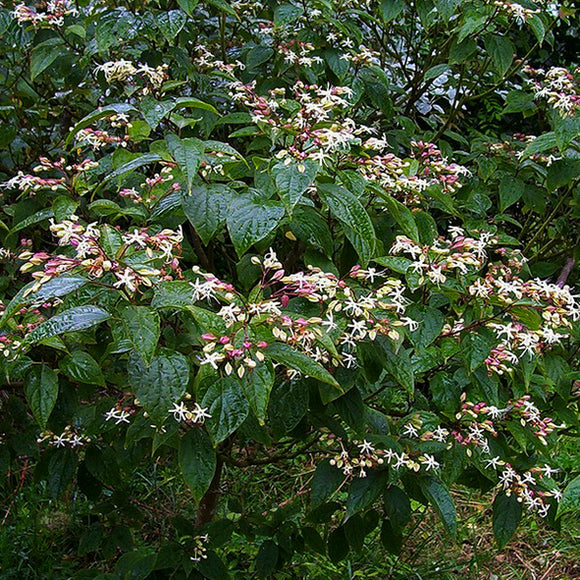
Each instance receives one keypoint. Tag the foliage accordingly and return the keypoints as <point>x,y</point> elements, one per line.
<point>256,234</point>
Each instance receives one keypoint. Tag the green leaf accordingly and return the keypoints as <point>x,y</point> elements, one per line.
<point>543,143</point>
<point>430,322</point>
<point>293,359</point>
<point>160,384</point>
<point>477,347</point>
<point>258,55</point>
<point>206,207</point>
<point>188,6</point>
<point>80,366</point>
<point>197,460</point>
<point>397,364</point>
<point>397,506</point>
<point>401,214</point>
<point>570,501</point>
<point>170,23</point>
<point>251,220</point>
<point>71,320</point>
<point>325,482</point>
<point>501,51</point>
<point>267,559</point>
<point>309,226</point>
<point>187,154</point>
<point>61,470</point>
<point>287,14</point>
<point>391,9</point>
<point>440,498</point>
<point>436,71</point>
<point>154,111</point>
<point>55,288</point>
<point>228,407</point>
<point>293,179</point>
<point>287,406</point>
<point>364,491</point>
<point>41,389</point>
<point>35,218</point>
<point>44,54</point>
<point>511,190</point>
<point>130,166</point>
<point>192,103</point>
<point>143,328</point>
<point>257,384</point>
<point>562,172</point>
<point>349,210</point>
<point>507,513</point>
<point>519,102</point>
<point>136,565</point>
<point>337,545</point>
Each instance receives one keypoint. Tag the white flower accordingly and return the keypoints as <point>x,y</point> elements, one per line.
<point>179,411</point>
<point>494,462</point>
<point>200,414</point>
<point>429,462</point>
<point>410,430</point>
<point>127,279</point>
<point>212,359</point>
<point>366,447</point>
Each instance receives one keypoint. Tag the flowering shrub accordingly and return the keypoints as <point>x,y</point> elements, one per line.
<point>240,234</point>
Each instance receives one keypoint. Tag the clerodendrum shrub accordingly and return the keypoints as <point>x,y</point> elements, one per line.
<point>252,233</point>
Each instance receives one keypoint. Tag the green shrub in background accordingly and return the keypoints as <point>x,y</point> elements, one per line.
<point>335,234</point>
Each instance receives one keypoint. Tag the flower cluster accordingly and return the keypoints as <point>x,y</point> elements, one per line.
<point>127,71</point>
<point>348,314</point>
<point>514,150</point>
<point>90,257</point>
<point>556,309</point>
<point>315,126</point>
<point>56,10</point>
<point>98,138</point>
<point>206,60</point>
<point>68,438</point>
<point>558,86</point>
<point>461,253</point>
<point>29,183</point>
<point>519,13</point>
<point>368,457</point>
<point>199,550</point>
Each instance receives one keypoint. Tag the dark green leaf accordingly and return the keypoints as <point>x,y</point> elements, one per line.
<point>80,366</point>
<point>41,389</point>
<point>292,179</point>
<point>350,211</point>
<point>257,384</point>
<point>143,328</point>
<point>160,384</point>
<point>440,498</point>
<point>251,220</point>
<point>501,51</point>
<point>511,190</point>
<point>325,482</point>
<point>197,460</point>
<point>206,207</point>
<point>72,320</point>
<point>293,359</point>
<point>570,501</point>
<point>187,154</point>
<point>228,407</point>
<point>507,512</point>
